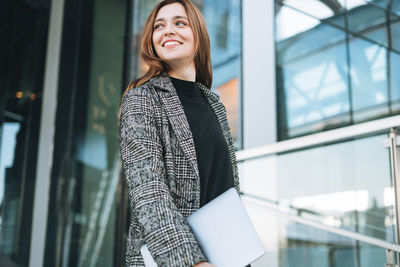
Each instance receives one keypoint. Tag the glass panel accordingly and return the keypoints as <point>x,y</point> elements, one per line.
<point>83,216</point>
<point>395,27</point>
<point>384,4</point>
<point>287,29</point>
<point>10,190</point>
<point>352,4</point>
<point>223,19</point>
<point>368,78</point>
<point>329,11</point>
<point>23,31</point>
<point>349,185</point>
<point>314,81</point>
<point>329,74</point>
<point>396,7</point>
<point>311,75</point>
<point>224,25</point>
<point>288,243</point>
<point>395,79</point>
<point>364,17</point>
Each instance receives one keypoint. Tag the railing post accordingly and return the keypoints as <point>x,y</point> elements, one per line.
<point>393,144</point>
<point>390,258</point>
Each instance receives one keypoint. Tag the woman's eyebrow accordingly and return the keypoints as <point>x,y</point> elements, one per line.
<point>176,17</point>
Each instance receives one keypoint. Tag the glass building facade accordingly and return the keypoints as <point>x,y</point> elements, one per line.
<point>324,192</point>
<point>336,64</point>
<point>312,96</point>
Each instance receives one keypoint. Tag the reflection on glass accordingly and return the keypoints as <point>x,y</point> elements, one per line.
<point>83,204</point>
<point>368,79</point>
<point>292,244</point>
<point>363,85</point>
<point>396,7</point>
<point>331,12</point>
<point>8,143</point>
<point>395,27</point>
<point>24,34</point>
<point>10,190</point>
<point>315,8</point>
<point>348,185</point>
<point>298,23</point>
<point>395,79</point>
<point>384,4</point>
<point>223,20</point>
<point>350,4</point>
<point>97,148</point>
<point>365,17</point>
<point>314,86</point>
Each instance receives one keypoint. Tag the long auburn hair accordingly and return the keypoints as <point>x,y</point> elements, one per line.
<point>202,57</point>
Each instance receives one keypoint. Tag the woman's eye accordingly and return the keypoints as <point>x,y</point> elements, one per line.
<point>180,23</point>
<point>157,26</point>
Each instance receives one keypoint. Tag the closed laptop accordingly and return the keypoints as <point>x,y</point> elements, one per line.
<point>224,232</point>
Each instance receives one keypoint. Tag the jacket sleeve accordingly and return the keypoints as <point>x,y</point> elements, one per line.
<point>166,232</point>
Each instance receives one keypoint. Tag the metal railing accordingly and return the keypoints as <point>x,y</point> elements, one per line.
<point>386,125</point>
<point>336,135</point>
<point>272,208</point>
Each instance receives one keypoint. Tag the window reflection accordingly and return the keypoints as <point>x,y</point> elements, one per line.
<point>350,4</point>
<point>395,27</point>
<point>314,8</point>
<point>395,79</point>
<point>396,7</point>
<point>84,222</point>
<point>314,86</point>
<point>319,54</point>
<point>362,19</point>
<point>291,22</point>
<point>8,143</point>
<point>368,79</point>
<point>10,190</point>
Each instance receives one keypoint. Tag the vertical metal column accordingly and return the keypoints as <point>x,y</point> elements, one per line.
<point>393,143</point>
<point>46,135</point>
<point>390,259</point>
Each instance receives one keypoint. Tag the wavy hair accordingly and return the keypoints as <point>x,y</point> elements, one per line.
<point>202,58</point>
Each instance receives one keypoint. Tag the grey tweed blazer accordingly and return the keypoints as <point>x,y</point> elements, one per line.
<point>160,166</point>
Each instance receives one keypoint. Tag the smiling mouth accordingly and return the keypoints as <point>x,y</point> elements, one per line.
<point>171,44</point>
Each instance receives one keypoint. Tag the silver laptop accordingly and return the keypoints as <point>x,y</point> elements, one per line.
<point>224,232</point>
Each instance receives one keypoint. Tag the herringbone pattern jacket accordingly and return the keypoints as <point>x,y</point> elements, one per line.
<point>160,166</point>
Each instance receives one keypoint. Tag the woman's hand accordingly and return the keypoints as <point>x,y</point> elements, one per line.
<point>203,264</point>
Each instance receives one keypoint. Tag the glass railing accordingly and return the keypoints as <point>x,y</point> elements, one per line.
<point>346,185</point>
<point>290,243</point>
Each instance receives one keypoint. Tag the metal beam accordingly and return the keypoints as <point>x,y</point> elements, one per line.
<point>334,5</point>
<point>46,135</point>
<point>326,137</point>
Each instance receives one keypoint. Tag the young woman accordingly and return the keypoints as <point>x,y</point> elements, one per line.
<point>176,146</point>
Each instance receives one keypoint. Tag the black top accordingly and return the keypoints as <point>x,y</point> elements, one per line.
<point>213,160</point>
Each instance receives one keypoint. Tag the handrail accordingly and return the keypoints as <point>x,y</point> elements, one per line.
<point>326,137</point>
<point>345,233</point>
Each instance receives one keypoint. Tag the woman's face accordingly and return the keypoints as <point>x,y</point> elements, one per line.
<point>173,37</point>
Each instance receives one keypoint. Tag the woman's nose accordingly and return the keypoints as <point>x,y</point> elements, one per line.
<point>169,30</point>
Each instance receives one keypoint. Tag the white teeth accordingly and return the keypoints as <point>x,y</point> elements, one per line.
<point>171,43</point>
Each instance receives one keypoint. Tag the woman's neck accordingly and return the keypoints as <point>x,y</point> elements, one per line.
<point>187,73</point>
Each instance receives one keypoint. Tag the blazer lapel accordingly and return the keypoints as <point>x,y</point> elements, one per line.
<point>177,118</point>
<point>220,112</point>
